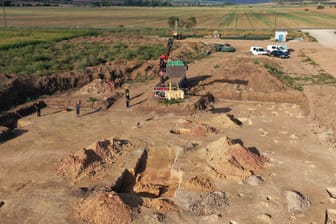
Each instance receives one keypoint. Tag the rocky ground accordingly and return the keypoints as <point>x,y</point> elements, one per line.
<point>260,153</point>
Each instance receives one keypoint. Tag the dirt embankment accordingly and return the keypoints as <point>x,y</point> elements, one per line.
<point>17,89</point>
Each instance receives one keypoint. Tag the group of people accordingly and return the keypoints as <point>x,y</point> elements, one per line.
<point>78,104</point>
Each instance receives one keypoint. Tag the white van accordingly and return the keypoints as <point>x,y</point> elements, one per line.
<point>255,50</point>
<point>271,48</point>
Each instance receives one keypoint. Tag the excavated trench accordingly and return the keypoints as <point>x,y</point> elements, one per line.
<point>152,177</point>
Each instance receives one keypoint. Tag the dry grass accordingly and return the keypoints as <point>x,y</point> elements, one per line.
<point>233,17</point>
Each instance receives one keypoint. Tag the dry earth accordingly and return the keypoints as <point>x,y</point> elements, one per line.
<point>261,153</point>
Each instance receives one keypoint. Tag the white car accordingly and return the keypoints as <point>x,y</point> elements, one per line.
<point>272,48</point>
<point>255,50</point>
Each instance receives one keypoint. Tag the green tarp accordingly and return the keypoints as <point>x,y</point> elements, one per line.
<point>175,63</point>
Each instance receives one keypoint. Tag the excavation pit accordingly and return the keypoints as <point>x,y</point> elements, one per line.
<point>153,177</point>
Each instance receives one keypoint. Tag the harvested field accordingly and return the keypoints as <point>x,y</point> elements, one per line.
<point>232,17</point>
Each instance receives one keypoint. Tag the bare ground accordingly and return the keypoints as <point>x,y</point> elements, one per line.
<point>241,159</point>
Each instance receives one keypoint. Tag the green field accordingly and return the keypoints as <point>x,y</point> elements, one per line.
<point>16,37</point>
<point>229,17</point>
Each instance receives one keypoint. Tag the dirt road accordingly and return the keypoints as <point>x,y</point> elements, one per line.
<point>326,38</point>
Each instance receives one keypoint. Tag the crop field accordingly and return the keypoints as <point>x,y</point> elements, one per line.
<point>15,37</point>
<point>229,17</point>
<point>52,57</point>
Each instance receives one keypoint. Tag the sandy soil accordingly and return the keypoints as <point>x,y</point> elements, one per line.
<point>326,38</point>
<point>248,158</point>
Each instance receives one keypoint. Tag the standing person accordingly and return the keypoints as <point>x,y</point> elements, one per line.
<point>78,102</point>
<point>127,95</point>
<point>37,109</point>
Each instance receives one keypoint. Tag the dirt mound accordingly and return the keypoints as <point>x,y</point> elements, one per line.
<point>198,184</point>
<point>234,161</point>
<point>85,161</point>
<point>296,202</point>
<point>186,51</point>
<point>225,121</point>
<point>104,208</point>
<point>187,127</point>
<point>97,86</point>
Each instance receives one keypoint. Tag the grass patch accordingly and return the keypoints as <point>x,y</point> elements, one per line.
<point>15,38</point>
<point>307,59</point>
<point>48,58</point>
<point>298,82</point>
<point>290,81</point>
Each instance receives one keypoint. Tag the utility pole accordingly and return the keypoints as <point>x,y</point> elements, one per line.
<point>4,13</point>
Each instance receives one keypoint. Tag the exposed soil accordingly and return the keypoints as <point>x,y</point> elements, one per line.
<point>242,147</point>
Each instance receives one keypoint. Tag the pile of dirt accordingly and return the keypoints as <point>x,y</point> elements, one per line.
<point>104,208</point>
<point>187,127</point>
<point>296,202</point>
<point>225,121</point>
<point>97,86</point>
<point>228,160</point>
<point>246,73</point>
<point>187,51</point>
<point>86,160</point>
<point>209,203</point>
<point>244,78</point>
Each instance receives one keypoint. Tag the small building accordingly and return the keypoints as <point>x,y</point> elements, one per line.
<point>281,36</point>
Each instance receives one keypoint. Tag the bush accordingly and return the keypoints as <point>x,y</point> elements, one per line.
<point>320,7</point>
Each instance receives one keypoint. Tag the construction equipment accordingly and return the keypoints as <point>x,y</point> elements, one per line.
<point>174,80</point>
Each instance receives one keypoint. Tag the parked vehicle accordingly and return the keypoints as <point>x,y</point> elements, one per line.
<point>272,48</point>
<point>255,50</point>
<point>224,48</point>
<point>279,54</point>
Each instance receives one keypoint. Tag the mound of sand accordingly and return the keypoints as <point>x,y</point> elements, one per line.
<point>87,159</point>
<point>234,161</point>
<point>104,208</point>
<point>97,86</point>
<point>296,202</point>
<point>210,203</point>
<point>187,127</point>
